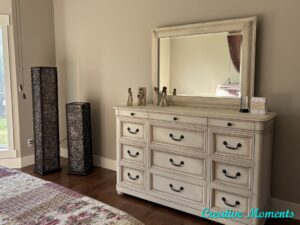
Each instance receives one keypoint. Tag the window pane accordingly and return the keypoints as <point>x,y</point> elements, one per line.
<point>3,117</point>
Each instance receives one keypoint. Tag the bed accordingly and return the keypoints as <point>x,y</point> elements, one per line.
<point>28,200</point>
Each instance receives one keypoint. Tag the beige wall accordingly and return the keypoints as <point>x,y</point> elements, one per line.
<point>35,35</point>
<point>5,6</point>
<point>104,47</point>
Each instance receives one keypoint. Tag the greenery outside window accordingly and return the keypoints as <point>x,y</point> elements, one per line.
<point>6,126</point>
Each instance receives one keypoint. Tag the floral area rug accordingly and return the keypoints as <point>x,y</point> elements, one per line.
<point>27,200</point>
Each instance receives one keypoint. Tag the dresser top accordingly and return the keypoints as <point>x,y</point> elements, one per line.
<point>198,111</point>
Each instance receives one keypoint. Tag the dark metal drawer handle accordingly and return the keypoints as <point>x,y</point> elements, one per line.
<point>229,124</point>
<point>231,205</point>
<point>178,165</point>
<point>232,148</point>
<point>176,190</point>
<point>175,118</point>
<point>132,132</point>
<point>132,114</point>
<point>133,178</point>
<point>232,177</point>
<point>176,139</point>
<point>136,154</point>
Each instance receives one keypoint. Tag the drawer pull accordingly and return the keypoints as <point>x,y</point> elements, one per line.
<point>133,178</point>
<point>175,118</point>
<point>231,205</point>
<point>176,190</point>
<point>229,124</point>
<point>176,139</point>
<point>232,177</point>
<point>136,154</point>
<point>132,114</point>
<point>132,132</point>
<point>178,165</point>
<point>232,148</point>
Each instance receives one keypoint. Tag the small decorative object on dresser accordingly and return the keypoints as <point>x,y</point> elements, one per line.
<point>45,119</point>
<point>79,137</point>
<point>258,105</point>
<point>142,96</point>
<point>129,99</point>
<point>163,99</point>
<point>155,96</point>
<point>244,106</point>
<point>174,92</point>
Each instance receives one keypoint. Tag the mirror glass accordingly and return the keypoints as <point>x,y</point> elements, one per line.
<point>205,65</point>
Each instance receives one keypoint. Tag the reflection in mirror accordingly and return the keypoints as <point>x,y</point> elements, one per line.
<point>205,65</point>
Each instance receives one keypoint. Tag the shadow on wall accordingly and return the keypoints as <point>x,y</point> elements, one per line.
<point>96,125</point>
<point>286,134</point>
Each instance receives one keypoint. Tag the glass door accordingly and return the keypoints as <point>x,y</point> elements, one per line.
<point>6,142</point>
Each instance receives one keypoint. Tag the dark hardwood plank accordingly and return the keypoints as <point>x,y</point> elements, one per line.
<point>100,185</point>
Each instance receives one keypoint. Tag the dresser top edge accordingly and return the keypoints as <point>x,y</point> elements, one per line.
<point>201,112</point>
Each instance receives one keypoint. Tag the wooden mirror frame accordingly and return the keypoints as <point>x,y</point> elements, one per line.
<point>245,25</point>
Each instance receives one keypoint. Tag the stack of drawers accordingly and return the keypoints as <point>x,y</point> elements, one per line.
<point>193,162</point>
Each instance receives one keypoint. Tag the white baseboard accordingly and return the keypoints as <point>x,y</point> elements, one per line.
<point>103,162</point>
<point>17,162</point>
<point>106,163</point>
<point>282,205</point>
<point>63,152</point>
<point>27,160</point>
<point>11,162</point>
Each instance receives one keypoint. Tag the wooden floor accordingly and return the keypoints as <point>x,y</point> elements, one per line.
<point>100,185</point>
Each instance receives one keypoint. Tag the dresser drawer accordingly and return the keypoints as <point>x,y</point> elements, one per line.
<point>179,137</point>
<point>236,145</point>
<point>133,114</point>
<point>133,130</point>
<point>178,118</point>
<point>222,200</point>
<point>178,163</point>
<point>132,176</point>
<point>180,190</point>
<point>132,153</point>
<point>233,124</point>
<point>230,174</point>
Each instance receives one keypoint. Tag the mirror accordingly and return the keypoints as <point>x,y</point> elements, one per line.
<point>210,61</point>
<point>207,63</point>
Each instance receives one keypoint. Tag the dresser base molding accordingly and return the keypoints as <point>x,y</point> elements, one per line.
<point>197,212</point>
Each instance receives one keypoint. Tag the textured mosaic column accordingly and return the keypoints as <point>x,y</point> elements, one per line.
<point>79,137</point>
<point>45,119</point>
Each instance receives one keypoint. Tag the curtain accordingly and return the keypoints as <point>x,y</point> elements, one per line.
<point>234,44</point>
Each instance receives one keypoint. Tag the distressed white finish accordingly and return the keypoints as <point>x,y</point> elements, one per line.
<point>188,173</point>
<point>219,170</point>
<point>245,25</point>
<point>133,153</point>
<point>191,192</point>
<point>166,160</point>
<point>184,137</point>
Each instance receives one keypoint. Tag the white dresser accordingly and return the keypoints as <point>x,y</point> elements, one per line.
<point>191,158</point>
